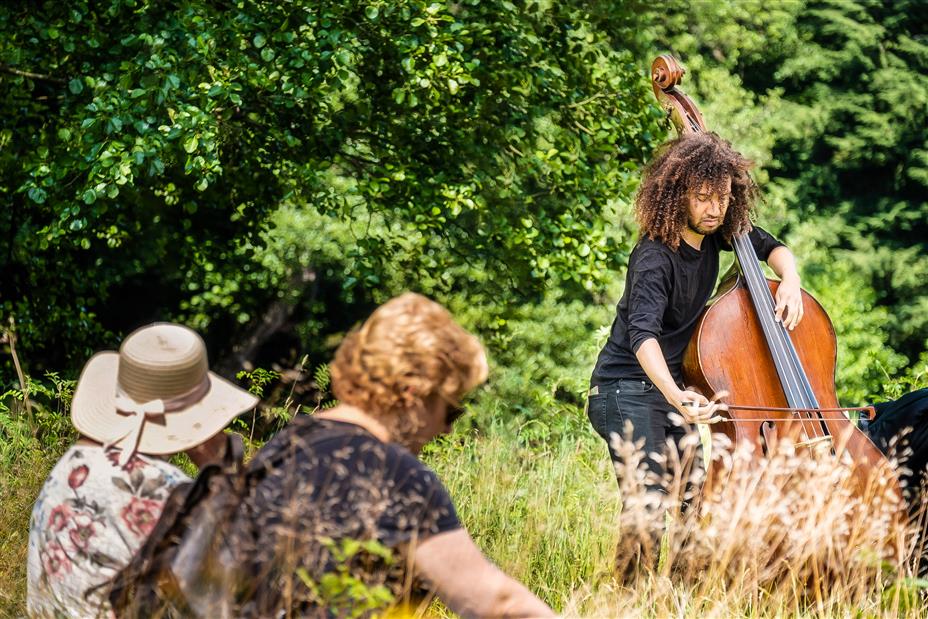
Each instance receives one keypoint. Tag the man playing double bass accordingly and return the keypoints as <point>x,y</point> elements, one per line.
<point>696,195</point>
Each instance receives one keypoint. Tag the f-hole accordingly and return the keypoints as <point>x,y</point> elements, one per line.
<point>768,436</point>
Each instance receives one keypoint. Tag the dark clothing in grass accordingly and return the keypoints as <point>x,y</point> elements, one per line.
<point>901,430</point>
<point>327,486</point>
<point>650,417</point>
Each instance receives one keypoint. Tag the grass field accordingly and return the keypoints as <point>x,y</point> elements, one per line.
<point>20,481</point>
<point>546,508</point>
<point>787,539</point>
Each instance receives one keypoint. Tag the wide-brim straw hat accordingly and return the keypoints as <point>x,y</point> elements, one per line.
<point>156,395</point>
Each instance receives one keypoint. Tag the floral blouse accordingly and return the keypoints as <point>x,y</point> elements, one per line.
<point>88,521</point>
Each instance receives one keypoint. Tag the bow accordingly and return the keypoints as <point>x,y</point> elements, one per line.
<point>140,411</point>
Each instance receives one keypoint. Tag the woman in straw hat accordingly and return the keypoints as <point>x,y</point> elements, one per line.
<point>155,397</point>
<point>344,499</point>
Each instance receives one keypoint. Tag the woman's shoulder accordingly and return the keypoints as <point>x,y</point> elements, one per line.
<point>82,464</point>
<point>88,484</point>
<point>309,432</point>
<point>88,479</point>
<point>412,475</point>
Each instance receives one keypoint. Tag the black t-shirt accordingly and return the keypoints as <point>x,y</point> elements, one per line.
<point>665,293</point>
<point>329,485</point>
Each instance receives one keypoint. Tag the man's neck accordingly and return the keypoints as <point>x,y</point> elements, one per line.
<point>693,238</point>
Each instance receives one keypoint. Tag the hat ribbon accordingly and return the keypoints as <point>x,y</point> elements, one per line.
<point>142,410</point>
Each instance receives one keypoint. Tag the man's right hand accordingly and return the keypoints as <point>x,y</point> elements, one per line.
<point>652,362</point>
<point>695,407</point>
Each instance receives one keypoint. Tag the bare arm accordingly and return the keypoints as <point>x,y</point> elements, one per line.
<point>783,263</point>
<point>469,583</point>
<point>789,295</point>
<point>651,358</point>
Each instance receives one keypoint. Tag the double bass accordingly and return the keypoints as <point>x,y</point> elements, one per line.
<point>783,381</point>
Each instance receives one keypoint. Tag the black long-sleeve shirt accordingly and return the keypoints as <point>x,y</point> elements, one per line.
<point>665,293</point>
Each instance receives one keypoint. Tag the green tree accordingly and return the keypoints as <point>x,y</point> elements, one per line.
<point>860,89</point>
<point>145,142</point>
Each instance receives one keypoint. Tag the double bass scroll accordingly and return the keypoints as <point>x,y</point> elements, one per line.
<point>666,75</point>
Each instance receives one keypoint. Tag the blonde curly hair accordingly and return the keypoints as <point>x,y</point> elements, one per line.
<point>408,349</point>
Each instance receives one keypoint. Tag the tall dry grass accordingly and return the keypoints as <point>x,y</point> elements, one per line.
<point>788,535</point>
<point>795,532</point>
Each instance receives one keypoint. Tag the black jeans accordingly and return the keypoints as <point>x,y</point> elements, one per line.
<point>652,419</point>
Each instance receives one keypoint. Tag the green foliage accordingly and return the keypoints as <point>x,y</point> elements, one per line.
<point>864,156</point>
<point>542,356</point>
<point>294,268</point>
<point>342,593</point>
<point>143,141</point>
<point>272,417</point>
<point>323,377</point>
<point>862,327</point>
<point>35,419</point>
<point>34,432</point>
<point>896,386</point>
<point>322,381</point>
<point>258,379</point>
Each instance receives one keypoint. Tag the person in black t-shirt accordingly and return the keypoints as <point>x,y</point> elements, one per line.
<point>695,196</point>
<point>345,517</point>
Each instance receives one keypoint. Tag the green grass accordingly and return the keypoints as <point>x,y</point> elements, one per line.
<point>535,488</point>
<point>547,514</point>
<point>21,478</point>
<point>547,511</point>
<point>32,438</point>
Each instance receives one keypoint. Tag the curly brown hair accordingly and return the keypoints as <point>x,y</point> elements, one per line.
<point>683,165</point>
<point>408,349</point>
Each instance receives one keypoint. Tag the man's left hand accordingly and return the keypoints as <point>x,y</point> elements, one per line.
<point>789,303</point>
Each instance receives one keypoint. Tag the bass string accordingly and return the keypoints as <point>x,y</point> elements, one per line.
<point>763,301</point>
<point>764,309</point>
<point>786,342</point>
<point>801,389</point>
<point>795,384</point>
